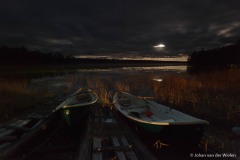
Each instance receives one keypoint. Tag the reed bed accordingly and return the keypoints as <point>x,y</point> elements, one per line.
<point>17,97</point>
<point>101,87</point>
<point>211,95</point>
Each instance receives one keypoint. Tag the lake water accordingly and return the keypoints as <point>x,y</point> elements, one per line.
<point>126,78</point>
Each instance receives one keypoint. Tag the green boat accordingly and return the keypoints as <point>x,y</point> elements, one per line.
<point>77,106</point>
<point>158,120</point>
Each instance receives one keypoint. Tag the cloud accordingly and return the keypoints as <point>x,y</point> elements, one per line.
<point>57,41</point>
<point>118,26</point>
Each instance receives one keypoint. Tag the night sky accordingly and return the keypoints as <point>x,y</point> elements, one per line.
<point>124,28</point>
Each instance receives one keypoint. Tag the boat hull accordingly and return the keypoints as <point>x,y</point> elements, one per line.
<point>76,107</point>
<point>173,135</point>
<point>75,116</point>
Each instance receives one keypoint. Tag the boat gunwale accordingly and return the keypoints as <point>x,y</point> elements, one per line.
<point>64,104</point>
<point>91,93</point>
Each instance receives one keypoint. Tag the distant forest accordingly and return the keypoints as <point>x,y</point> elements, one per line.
<point>17,56</point>
<point>217,57</point>
<point>21,56</point>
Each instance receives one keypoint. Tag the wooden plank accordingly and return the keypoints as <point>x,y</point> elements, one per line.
<point>85,147</point>
<point>7,132</point>
<point>97,147</point>
<point>96,119</point>
<point>2,129</point>
<point>120,155</point>
<point>38,123</point>
<point>96,143</point>
<point>115,141</point>
<point>113,148</point>
<point>124,141</point>
<point>101,113</point>
<point>7,138</point>
<point>24,122</point>
<point>97,156</point>
<point>96,114</point>
<point>37,116</point>
<point>4,145</point>
<point>16,122</point>
<point>130,154</point>
<point>24,129</point>
<point>121,139</point>
<point>143,151</point>
<point>20,123</point>
<point>31,115</point>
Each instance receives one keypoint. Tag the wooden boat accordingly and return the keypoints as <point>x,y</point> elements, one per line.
<point>165,123</point>
<point>77,106</point>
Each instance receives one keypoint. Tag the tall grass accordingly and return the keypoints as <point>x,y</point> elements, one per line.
<point>105,86</point>
<point>16,97</point>
<point>214,95</point>
<point>101,87</point>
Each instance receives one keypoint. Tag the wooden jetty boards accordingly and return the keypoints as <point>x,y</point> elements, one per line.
<point>108,138</point>
<point>130,154</point>
<point>120,154</point>
<point>97,146</point>
<point>19,125</point>
<point>8,129</point>
<point>97,156</point>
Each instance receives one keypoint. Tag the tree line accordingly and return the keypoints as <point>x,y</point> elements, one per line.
<point>18,56</point>
<point>222,56</point>
<point>23,56</point>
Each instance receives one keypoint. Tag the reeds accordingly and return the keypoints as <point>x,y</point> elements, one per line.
<point>213,95</point>
<point>101,87</point>
<point>106,86</point>
<point>16,97</point>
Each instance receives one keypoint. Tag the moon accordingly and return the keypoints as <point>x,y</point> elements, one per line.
<point>159,46</point>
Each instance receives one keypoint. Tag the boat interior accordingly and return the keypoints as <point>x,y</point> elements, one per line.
<point>141,109</point>
<point>81,98</point>
<point>84,97</point>
<point>151,111</point>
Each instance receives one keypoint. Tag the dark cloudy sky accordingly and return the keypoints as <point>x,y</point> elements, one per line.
<point>122,27</point>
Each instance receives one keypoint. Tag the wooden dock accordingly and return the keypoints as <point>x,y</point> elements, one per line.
<point>109,138</point>
<point>104,136</point>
